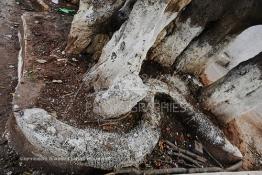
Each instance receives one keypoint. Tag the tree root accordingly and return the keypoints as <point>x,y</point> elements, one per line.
<point>88,21</point>
<point>209,134</point>
<point>115,76</point>
<point>89,147</point>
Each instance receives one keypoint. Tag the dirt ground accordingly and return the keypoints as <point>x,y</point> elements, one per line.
<point>10,22</point>
<point>10,13</point>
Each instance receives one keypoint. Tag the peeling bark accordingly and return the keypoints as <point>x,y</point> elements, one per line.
<point>237,92</point>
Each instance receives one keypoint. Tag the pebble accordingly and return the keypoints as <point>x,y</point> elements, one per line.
<point>11,66</point>
<point>41,61</point>
<point>57,81</point>
<point>36,22</point>
<point>63,52</point>
<point>74,59</point>
<point>61,59</point>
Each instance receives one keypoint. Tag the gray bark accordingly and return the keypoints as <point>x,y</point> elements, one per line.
<point>240,16</point>
<point>237,92</point>
<point>89,20</point>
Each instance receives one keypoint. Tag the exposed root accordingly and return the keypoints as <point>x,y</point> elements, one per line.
<point>237,92</point>
<point>209,134</point>
<point>92,147</point>
<point>88,21</point>
<point>115,72</point>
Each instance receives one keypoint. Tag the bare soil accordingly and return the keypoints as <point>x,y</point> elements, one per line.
<point>10,14</point>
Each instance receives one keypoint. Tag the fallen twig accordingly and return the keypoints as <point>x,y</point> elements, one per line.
<point>114,121</point>
<point>187,158</point>
<point>69,105</point>
<point>188,153</point>
<point>43,4</point>
<point>188,165</point>
<point>122,117</point>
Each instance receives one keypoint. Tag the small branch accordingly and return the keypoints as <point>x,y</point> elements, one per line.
<point>188,153</point>
<point>187,165</point>
<point>122,117</point>
<point>43,4</point>
<point>69,105</point>
<point>187,158</point>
